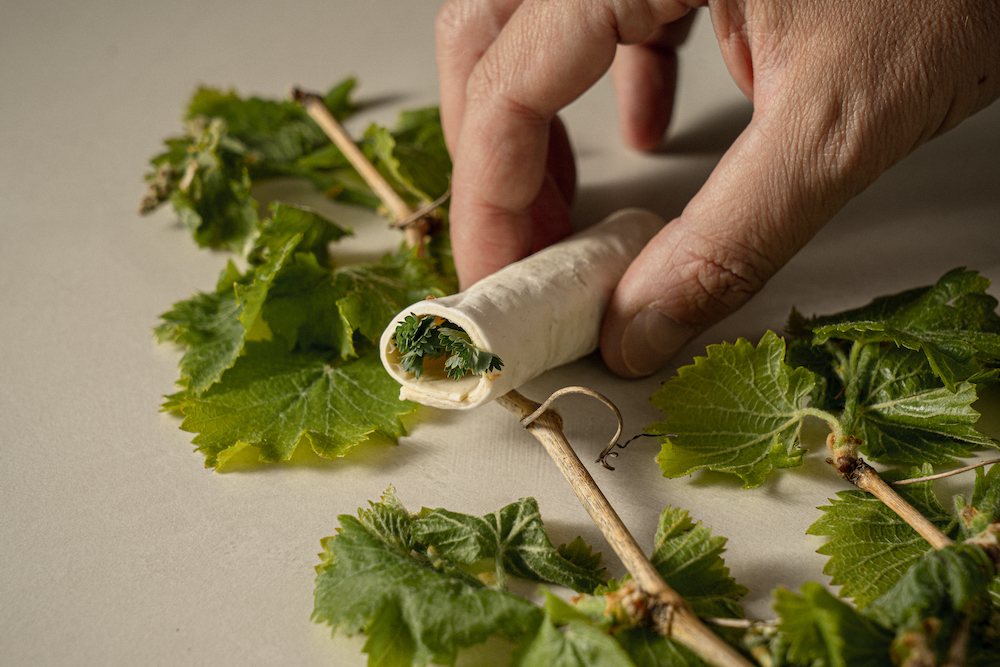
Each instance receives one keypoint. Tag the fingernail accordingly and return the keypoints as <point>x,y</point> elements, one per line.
<point>650,340</point>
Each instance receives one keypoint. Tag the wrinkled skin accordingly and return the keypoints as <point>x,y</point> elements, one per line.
<point>841,91</point>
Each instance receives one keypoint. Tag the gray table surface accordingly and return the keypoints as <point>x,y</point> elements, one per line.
<point>119,548</point>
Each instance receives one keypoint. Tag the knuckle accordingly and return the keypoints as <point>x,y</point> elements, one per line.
<point>718,278</point>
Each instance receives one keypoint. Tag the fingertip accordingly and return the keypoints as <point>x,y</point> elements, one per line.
<point>638,345</point>
<point>645,81</point>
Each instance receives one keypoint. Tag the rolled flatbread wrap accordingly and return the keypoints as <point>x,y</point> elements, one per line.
<point>541,312</point>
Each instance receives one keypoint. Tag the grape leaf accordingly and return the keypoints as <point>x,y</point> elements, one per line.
<point>389,521</point>
<point>738,410</point>
<point>231,141</point>
<point>208,326</point>
<point>374,293</point>
<point>822,630</point>
<point>871,547</point>
<point>307,316</point>
<point>514,536</point>
<point>276,132</point>
<point>826,364</point>
<point>984,507</point>
<point>929,603</point>
<point>901,411</point>
<point>209,187</point>
<point>213,327</point>
<point>315,232</point>
<point>940,584</point>
<point>576,644</point>
<point>412,610</point>
<point>689,559</point>
<point>298,303</point>
<point>406,582</point>
<point>954,323</point>
<point>580,554</point>
<point>413,155</point>
<point>274,401</point>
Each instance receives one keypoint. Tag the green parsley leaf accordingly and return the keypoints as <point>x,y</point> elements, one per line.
<point>738,410</point>
<point>954,323</point>
<point>275,401</point>
<point>822,630</point>
<point>420,339</point>
<point>871,548</point>
<point>514,537</point>
<point>413,611</point>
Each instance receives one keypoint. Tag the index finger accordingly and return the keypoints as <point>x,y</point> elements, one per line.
<point>548,54</point>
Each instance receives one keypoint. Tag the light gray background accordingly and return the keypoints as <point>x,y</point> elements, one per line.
<point>118,548</point>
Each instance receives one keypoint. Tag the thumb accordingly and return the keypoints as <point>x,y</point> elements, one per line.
<point>772,191</point>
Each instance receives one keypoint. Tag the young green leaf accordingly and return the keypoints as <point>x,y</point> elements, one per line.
<point>514,536</point>
<point>275,132</point>
<point>940,584</point>
<point>389,521</point>
<point>413,155</point>
<point>208,186</point>
<point>827,364</point>
<point>412,611</point>
<point>580,554</point>
<point>374,293</point>
<point>275,401</point>
<point>315,233</point>
<point>689,559</point>
<point>901,412</point>
<point>871,547</point>
<point>208,326</point>
<point>230,141</point>
<point>822,630</point>
<point>298,304</point>
<point>984,507</point>
<point>954,323</point>
<point>945,589</point>
<point>575,644</point>
<point>405,581</point>
<point>738,410</point>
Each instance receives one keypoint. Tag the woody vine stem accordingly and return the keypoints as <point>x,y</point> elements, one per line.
<point>665,610</point>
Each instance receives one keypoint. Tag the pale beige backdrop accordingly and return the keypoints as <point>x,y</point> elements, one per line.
<point>117,547</point>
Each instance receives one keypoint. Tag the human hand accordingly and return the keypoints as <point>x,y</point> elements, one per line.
<point>841,91</point>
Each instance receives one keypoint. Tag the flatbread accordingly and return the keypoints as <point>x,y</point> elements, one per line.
<point>536,314</point>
